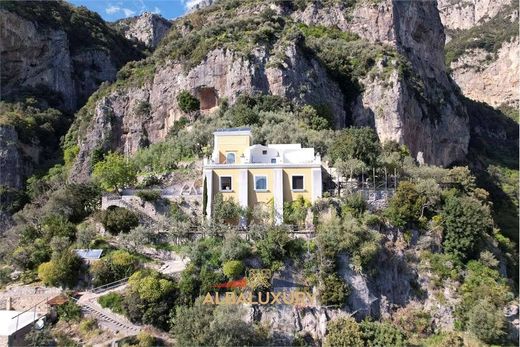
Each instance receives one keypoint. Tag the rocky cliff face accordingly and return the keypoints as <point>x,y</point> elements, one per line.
<point>49,53</point>
<point>483,59</point>
<point>418,107</point>
<point>467,14</point>
<point>490,80</point>
<point>35,57</point>
<point>148,28</point>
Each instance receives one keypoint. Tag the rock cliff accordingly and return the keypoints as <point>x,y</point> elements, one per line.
<point>50,53</point>
<point>148,28</point>
<point>483,49</point>
<point>417,104</point>
<point>39,58</point>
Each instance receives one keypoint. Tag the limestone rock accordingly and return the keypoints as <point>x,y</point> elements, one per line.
<point>148,28</point>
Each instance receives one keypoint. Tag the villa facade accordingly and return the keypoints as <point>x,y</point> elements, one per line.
<point>254,175</point>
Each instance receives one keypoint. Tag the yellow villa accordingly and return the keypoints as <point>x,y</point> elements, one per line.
<point>257,174</point>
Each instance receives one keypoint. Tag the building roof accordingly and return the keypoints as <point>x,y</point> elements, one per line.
<point>233,131</point>
<point>13,321</point>
<point>89,254</point>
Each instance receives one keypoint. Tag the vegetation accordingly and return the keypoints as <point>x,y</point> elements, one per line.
<point>114,266</point>
<point>187,102</point>
<point>489,35</point>
<point>466,221</point>
<point>118,220</point>
<point>204,325</point>
<point>112,301</point>
<point>61,271</point>
<point>114,172</point>
<point>233,269</point>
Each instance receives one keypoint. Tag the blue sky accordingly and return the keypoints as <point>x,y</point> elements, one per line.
<point>112,10</point>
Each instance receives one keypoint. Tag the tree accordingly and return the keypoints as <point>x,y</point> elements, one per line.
<point>150,298</point>
<point>62,271</point>
<point>226,211</point>
<point>114,266</point>
<point>136,238</point>
<point>273,245</point>
<point>118,220</point>
<point>344,332</point>
<point>234,247</point>
<point>233,269</point>
<point>187,102</point>
<point>465,222</point>
<point>356,143</point>
<point>405,207</point>
<point>115,172</point>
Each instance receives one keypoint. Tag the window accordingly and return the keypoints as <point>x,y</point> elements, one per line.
<point>273,160</point>
<point>264,152</point>
<point>261,183</point>
<point>297,182</point>
<point>230,158</point>
<point>225,184</point>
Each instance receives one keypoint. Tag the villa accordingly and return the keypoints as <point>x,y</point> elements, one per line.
<point>256,175</point>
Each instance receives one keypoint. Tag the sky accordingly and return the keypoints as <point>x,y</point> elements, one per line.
<point>112,10</point>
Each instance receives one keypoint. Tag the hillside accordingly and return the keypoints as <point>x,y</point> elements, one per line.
<point>412,243</point>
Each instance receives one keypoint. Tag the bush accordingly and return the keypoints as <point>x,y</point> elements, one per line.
<point>69,312</point>
<point>345,332</point>
<point>333,291</point>
<point>405,207</point>
<point>487,322</point>
<point>187,102</point>
<point>118,220</point>
<point>355,205</point>
<point>149,195</point>
<point>226,211</point>
<point>114,266</point>
<point>88,327</point>
<point>465,222</point>
<point>273,246</point>
<point>296,211</point>
<point>233,269</point>
<point>384,334</point>
<point>112,301</point>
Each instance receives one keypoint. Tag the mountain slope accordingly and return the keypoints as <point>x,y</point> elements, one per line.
<point>392,79</point>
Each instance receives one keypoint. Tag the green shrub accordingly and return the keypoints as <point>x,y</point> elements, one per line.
<point>354,204</point>
<point>149,195</point>
<point>114,266</point>
<point>333,291</point>
<point>465,222</point>
<point>487,322</point>
<point>344,331</point>
<point>187,102</point>
<point>60,271</point>
<point>405,207</point>
<point>69,312</point>
<point>112,301</point>
<point>118,220</point>
<point>233,269</point>
<point>273,246</point>
<point>356,143</point>
<point>384,334</point>
<point>115,172</point>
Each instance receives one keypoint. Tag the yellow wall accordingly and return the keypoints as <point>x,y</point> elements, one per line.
<point>288,194</point>
<point>235,185</point>
<point>255,197</point>
<point>237,144</point>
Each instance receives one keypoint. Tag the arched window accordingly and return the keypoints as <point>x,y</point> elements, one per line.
<point>230,158</point>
